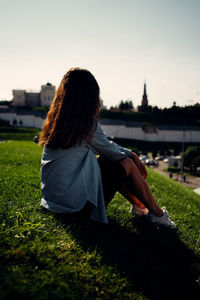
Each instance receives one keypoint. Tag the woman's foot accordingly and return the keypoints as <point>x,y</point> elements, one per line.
<point>137,211</point>
<point>164,220</point>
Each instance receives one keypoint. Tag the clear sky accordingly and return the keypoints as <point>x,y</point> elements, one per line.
<point>122,42</point>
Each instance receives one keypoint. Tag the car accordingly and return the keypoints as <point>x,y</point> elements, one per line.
<point>151,162</point>
<point>161,157</point>
<point>144,158</point>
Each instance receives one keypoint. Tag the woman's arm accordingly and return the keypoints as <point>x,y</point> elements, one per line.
<point>106,148</point>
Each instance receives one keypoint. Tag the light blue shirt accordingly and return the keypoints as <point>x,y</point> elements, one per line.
<point>71,177</point>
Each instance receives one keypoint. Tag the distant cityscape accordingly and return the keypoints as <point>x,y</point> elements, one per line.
<point>29,108</point>
<point>44,97</point>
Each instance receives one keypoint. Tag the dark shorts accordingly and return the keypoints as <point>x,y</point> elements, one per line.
<point>113,175</point>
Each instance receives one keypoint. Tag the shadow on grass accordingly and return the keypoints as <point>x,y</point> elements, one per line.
<point>154,260</point>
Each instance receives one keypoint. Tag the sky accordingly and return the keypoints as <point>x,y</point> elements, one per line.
<point>122,42</point>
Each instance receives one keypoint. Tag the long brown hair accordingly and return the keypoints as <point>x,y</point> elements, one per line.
<point>73,112</point>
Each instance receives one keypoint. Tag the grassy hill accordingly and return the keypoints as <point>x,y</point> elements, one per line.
<point>44,256</point>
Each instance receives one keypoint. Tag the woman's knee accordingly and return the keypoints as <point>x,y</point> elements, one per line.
<point>128,164</point>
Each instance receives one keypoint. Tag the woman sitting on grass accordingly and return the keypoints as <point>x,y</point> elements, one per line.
<point>73,179</point>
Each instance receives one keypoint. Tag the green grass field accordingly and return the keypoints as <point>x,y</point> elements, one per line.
<point>45,256</point>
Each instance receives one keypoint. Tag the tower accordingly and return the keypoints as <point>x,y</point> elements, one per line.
<point>19,98</point>
<point>144,98</point>
<point>47,94</point>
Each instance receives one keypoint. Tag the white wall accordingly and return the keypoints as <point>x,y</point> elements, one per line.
<point>28,120</point>
<point>117,131</point>
<point>121,131</point>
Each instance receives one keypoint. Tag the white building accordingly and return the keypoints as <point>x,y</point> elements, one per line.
<point>42,98</point>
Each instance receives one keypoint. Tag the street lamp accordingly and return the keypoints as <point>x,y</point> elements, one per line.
<point>183,146</point>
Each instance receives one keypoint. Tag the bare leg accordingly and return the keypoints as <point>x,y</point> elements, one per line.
<point>130,197</point>
<point>137,186</point>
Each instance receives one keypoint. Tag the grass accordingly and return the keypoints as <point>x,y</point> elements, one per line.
<point>45,256</point>
<point>17,133</point>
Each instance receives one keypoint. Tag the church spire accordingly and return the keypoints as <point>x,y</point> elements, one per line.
<point>144,98</point>
<point>145,91</point>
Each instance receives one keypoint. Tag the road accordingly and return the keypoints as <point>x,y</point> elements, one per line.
<point>192,182</point>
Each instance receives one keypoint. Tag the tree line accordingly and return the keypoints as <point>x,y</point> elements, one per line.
<point>175,111</point>
<point>175,115</point>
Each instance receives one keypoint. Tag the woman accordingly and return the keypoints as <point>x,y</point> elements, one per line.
<point>72,177</point>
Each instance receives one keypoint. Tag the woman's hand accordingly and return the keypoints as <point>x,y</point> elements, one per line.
<point>139,164</point>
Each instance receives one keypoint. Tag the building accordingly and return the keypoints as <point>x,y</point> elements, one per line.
<point>42,98</point>
<point>102,105</point>
<point>47,94</point>
<point>145,104</point>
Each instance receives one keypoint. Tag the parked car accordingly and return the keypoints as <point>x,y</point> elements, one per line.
<point>151,162</point>
<point>144,158</point>
<point>161,157</point>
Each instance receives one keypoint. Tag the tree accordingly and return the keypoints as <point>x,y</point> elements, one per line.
<point>154,153</point>
<point>192,157</point>
<point>4,122</point>
<point>121,105</point>
<point>14,122</point>
<point>156,110</point>
<point>126,105</point>
<point>130,104</point>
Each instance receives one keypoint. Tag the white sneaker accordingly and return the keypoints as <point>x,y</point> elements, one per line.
<point>137,211</point>
<point>163,220</point>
